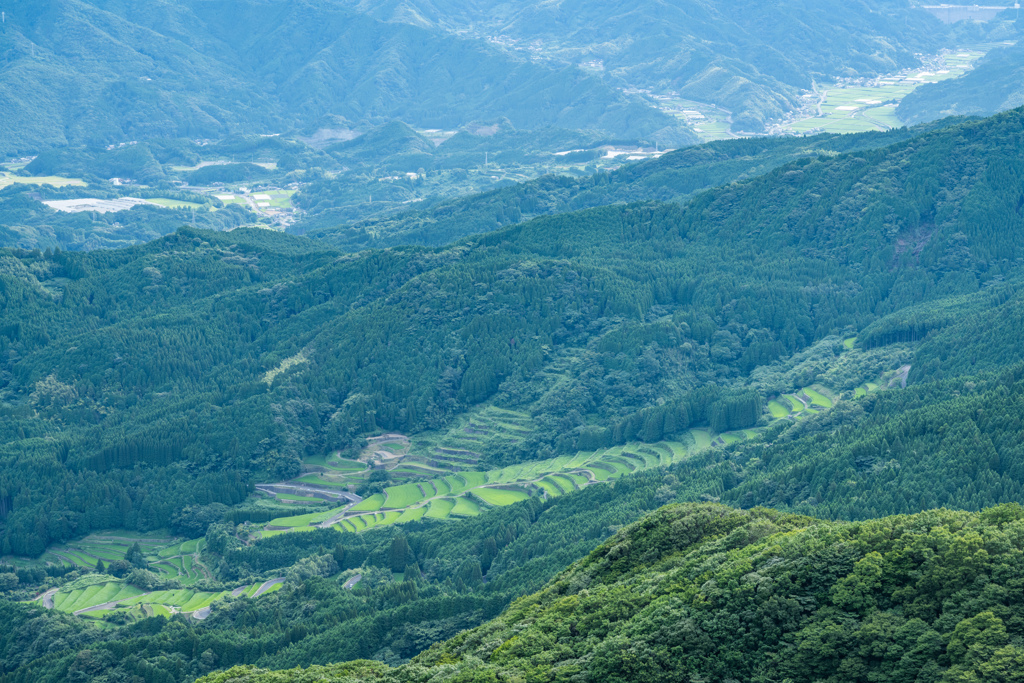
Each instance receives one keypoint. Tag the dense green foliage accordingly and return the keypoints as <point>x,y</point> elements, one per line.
<point>710,592</point>
<point>315,620</point>
<point>102,72</point>
<point>148,364</point>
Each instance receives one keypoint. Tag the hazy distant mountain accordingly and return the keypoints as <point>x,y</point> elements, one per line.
<point>744,55</point>
<point>75,71</point>
<point>995,85</point>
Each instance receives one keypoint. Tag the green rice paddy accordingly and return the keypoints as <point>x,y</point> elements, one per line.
<point>818,399</point>
<point>440,508</point>
<point>371,504</point>
<point>500,497</point>
<point>465,507</point>
<point>403,496</point>
<point>461,493</point>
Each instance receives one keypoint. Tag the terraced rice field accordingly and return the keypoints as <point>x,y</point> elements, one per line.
<point>465,507</point>
<point>779,410</point>
<point>818,398</point>
<point>399,497</point>
<point>306,520</point>
<point>98,594</point>
<point>371,504</point>
<point>499,497</point>
<point>461,493</point>
<point>440,508</point>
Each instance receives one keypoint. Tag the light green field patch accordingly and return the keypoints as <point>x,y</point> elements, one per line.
<point>848,343</point>
<point>500,497</point>
<point>441,486</point>
<point>412,514</point>
<point>371,504</point>
<point>701,439</point>
<point>679,451</point>
<point>549,487</point>
<point>871,386</point>
<point>565,483</point>
<point>305,520</point>
<point>777,410</point>
<point>818,399</point>
<point>403,496</point>
<point>170,551</point>
<point>59,599</point>
<point>580,458</point>
<point>859,392</point>
<point>390,517</point>
<point>160,611</point>
<point>85,598</point>
<point>440,508</point>
<point>465,507</point>
<point>729,438</point>
<point>273,589</point>
<point>579,480</point>
<point>795,404</point>
<point>456,484</point>
<point>347,525</point>
<point>601,472</point>
<point>618,465</point>
<point>474,479</point>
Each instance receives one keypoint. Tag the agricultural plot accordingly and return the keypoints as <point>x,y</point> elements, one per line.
<point>403,496</point>
<point>549,487</point>
<point>412,515</point>
<point>91,596</point>
<point>371,504</point>
<point>778,409</point>
<point>465,507</point>
<point>500,497</point>
<point>461,493</point>
<point>856,109</point>
<point>306,520</point>
<point>818,398</point>
<point>440,508</point>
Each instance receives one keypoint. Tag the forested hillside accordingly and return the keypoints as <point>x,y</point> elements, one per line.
<point>160,357</point>
<point>995,85</point>
<point>749,57</point>
<point>862,460</point>
<point>103,72</point>
<point>674,177</point>
<point>710,592</point>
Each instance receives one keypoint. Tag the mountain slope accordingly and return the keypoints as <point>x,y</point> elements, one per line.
<point>674,177</point>
<point>994,85</point>
<point>715,593</point>
<point>105,71</point>
<point>159,355</point>
<point>747,57</point>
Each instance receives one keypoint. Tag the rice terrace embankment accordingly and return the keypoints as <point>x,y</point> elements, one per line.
<point>437,480</point>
